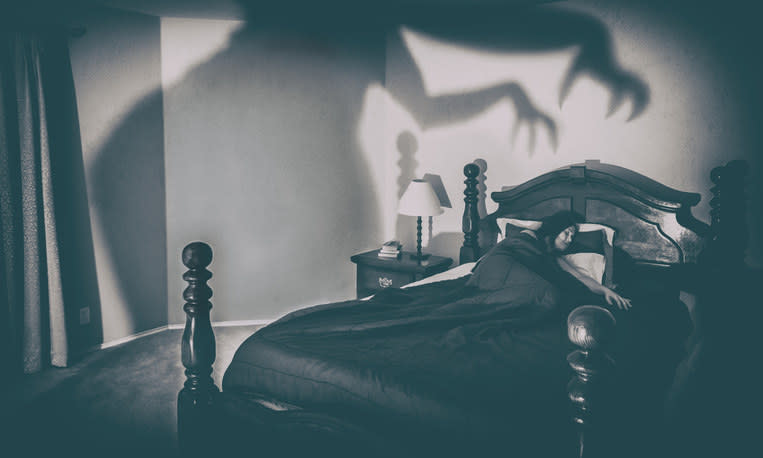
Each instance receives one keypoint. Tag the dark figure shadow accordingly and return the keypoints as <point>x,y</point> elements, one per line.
<point>407,146</point>
<point>129,198</point>
<point>128,189</point>
<point>127,192</point>
<point>270,82</point>
<point>496,28</point>
<point>481,187</point>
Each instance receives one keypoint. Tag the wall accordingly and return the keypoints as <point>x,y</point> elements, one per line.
<point>263,162</point>
<point>456,93</point>
<point>286,151</point>
<point>117,74</point>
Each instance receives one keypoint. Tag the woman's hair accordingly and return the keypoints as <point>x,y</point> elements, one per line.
<point>553,225</point>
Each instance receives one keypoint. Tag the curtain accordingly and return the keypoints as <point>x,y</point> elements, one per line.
<point>31,291</point>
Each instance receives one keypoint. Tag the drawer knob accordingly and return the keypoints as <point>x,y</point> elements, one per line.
<point>385,282</point>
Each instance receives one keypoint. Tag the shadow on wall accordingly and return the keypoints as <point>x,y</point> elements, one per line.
<point>444,241</point>
<point>77,256</point>
<point>266,134</point>
<point>481,187</point>
<point>504,29</point>
<point>129,199</point>
<point>261,152</point>
<point>407,146</point>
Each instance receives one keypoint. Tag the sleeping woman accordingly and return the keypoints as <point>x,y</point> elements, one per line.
<point>541,251</point>
<point>504,267</point>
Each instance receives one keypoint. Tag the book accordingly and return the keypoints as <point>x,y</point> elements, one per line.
<point>388,256</point>
<point>391,250</point>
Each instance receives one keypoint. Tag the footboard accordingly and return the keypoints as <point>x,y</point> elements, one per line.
<point>210,421</point>
<point>213,423</point>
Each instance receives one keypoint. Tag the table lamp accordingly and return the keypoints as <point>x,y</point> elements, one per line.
<point>418,200</point>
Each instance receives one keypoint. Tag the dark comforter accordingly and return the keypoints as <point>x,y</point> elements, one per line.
<point>440,365</point>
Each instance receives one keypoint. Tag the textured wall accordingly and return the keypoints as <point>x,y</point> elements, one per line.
<point>458,93</point>
<point>287,150</point>
<point>263,163</point>
<point>117,74</point>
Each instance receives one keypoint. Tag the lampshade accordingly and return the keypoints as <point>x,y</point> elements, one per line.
<point>419,200</point>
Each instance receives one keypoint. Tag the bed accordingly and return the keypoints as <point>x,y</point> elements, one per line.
<point>440,368</point>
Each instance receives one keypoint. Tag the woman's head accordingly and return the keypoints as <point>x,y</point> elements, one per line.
<point>558,230</point>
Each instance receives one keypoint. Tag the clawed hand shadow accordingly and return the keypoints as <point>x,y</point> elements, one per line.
<point>540,29</point>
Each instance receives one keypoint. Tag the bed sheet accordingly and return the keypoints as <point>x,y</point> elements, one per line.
<point>432,361</point>
<point>442,362</point>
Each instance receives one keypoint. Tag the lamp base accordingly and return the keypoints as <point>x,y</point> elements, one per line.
<point>422,259</point>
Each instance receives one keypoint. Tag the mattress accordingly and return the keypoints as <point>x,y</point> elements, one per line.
<point>438,363</point>
<point>468,380</point>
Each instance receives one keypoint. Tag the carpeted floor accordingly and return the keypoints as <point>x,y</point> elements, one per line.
<point>115,402</point>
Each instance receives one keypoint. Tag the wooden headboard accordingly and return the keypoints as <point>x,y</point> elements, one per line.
<point>654,223</point>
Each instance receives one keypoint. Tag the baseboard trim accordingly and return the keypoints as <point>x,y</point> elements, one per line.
<point>216,324</point>
<point>114,343</point>
<point>222,324</point>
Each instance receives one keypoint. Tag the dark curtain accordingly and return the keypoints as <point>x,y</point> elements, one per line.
<point>38,131</point>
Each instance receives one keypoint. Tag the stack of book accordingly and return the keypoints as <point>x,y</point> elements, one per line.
<point>390,250</point>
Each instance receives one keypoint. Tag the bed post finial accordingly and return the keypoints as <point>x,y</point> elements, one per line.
<point>197,350</point>
<point>470,250</point>
<point>591,328</point>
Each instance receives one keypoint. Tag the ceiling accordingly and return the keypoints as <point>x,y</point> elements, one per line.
<point>233,9</point>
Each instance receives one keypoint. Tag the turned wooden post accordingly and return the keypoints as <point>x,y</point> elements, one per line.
<point>591,328</point>
<point>728,216</point>
<point>470,250</point>
<point>197,397</point>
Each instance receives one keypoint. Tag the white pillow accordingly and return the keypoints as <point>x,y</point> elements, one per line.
<point>591,264</point>
<point>600,270</point>
<point>535,225</point>
<point>524,224</point>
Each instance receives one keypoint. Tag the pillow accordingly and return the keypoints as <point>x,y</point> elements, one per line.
<point>597,263</point>
<point>587,253</point>
<point>512,226</point>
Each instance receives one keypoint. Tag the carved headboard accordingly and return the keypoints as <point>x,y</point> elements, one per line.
<point>654,223</point>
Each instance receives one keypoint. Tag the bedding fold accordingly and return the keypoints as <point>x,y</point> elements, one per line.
<point>451,361</point>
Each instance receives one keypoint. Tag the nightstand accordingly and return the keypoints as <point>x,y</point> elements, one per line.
<point>375,273</point>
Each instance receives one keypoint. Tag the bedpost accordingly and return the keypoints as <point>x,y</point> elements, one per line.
<point>470,250</point>
<point>196,398</point>
<point>590,328</point>
<point>728,215</point>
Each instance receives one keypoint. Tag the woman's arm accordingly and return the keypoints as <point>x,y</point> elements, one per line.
<point>595,287</point>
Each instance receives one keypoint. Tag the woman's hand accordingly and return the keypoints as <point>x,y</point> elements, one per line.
<point>613,298</point>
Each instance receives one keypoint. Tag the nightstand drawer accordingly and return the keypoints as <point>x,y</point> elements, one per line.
<point>374,273</point>
<point>372,279</point>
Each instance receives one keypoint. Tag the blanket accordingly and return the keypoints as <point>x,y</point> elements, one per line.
<point>476,360</point>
